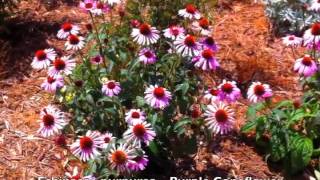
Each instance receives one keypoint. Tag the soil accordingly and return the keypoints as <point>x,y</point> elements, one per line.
<point>248,52</point>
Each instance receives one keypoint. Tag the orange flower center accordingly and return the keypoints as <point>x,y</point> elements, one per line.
<point>190,41</point>
<point>73,39</point>
<point>204,23</point>
<point>86,143</point>
<point>67,27</point>
<point>41,55</point>
<point>88,5</point>
<point>59,64</point>
<point>119,157</point>
<point>221,116</point>
<point>148,54</point>
<point>139,130</point>
<point>315,29</point>
<point>259,90</point>
<point>190,8</point>
<point>207,54</point>
<point>227,88</point>
<point>135,115</point>
<point>51,80</point>
<point>307,61</point>
<point>158,92</point>
<point>111,85</point>
<point>48,120</point>
<point>145,29</point>
<point>214,92</point>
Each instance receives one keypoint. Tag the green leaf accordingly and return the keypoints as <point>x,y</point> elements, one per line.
<point>153,146</point>
<point>300,154</point>
<point>250,125</point>
<point>284,104</point>
<point>140,101</point>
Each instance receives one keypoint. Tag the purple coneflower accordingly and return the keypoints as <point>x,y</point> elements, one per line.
<point>203,26</point>
<point>208,42</point>
<point>186,45</point>
<point>157,97</point>
<point>219,118</point>
<point>120,156</point>
<point>51,84</point>
<point>52,121</point>
<point>111,88</point>
<point>292,40</point>
<point>74,42</point>
<point>86,147</point>
<point>87,5</point>
<point>211,95</point>
<point>98,59</point>
<point>259,92</point>
<point>108,139</point>
<point>147,56</point>
<point>305,66</point>
<point>173,32</point>
<point>139,132</point>
<point>228,91</point>
<point>67,29</point>
<point>145,34</point>
<point>62,65</point>
<point>43,58</point>
<point>206,60</point>
<point>135,116</point>
<point>190,12</point>
<point>139,163</point>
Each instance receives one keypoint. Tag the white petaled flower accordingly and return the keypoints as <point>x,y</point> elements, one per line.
<point>292,40</point>
<point>51,84</point>
<point>140,132</point>
<point>186,45</point>
<point>120,156</point>
<point>157,97</point>
<point>312,35</point>
<point>86,147</point>
<point>206,60</point>
<point>259,92</point>
<point>67,29</point>
<point>135,116</point>
<point>203,26</point>
<point>112,2</point>
<point>98,59</point>
<point>87,5</point>
<point>219,118</point>
<point>111,88</point>
<point>228,91</point>
<point>100,9</point>
<point>108,139</point>
<point>64,65</point>
<point>190,12</point>
<point>147,56</point>
<point>139,163</point>
<point>43,58</point>
<point>315,5</point>
<point>145,34</point>
<point>74,42</point>
<point>173,32</point>
<point>305,66</point>
<point>52,121</point>
<point>211,95</point>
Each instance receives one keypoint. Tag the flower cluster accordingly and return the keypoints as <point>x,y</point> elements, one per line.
<point>307,65</point>
<point>118,107</point>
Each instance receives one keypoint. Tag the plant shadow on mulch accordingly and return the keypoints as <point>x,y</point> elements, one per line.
<point>20,39</point>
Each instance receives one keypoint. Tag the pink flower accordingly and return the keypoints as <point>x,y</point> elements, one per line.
<point>52,121</point>
<point>139,163</point>
<point>203,26</point>
<point>190,12</point>
<point>74,42</point>
<point>147,56</point>
<point>62,65</point>
<point>111,88</point>
<point>173,32</point>
<point>98,59</point>
<point>87,5</point>
<point>228,91</point>
<point>206,60</point>
<point>135,116</point>
<point>186,45</point>
<point>292,40</point>
<point>120,156</point>
<point>219,118</point>
<point>145,34</point>
<point>139,132</point>
<point>259,92</point>
<point>305,66</point>
<point>86,147</point>
<point>51,84</point>
<point>43,58</point>
<point>67,29</point>
<point>157,97</point>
